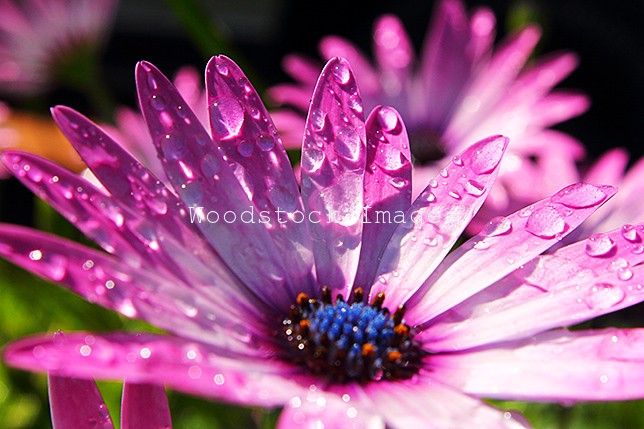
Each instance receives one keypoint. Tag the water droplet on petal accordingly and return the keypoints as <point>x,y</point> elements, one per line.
<point>444,173</point>
<point>599,245</point>
<point>245,148</point>
<point>545,222</point>
<point>265,143</point>
<point>222,69</point>
<point>210,165</point>
<point>389,158</point>
<point>604,296</point>
<point>398,182</point>
<point>457,160</point>
<point>638,249</point>
<point>579,195</point>
<point>244,179</point>
<point>387,118</point>
<point>474,188</point>
<point>226,118</point>
<point>454,194</point>
<point>312,159</point>
<point>497,226</point>
<point>157,102</point>
<point>317,120</point>
<point>629,232</point>
<point>341,73</point>
<point>348,144</point>
<point>488,156</point>
<point>624,274</point>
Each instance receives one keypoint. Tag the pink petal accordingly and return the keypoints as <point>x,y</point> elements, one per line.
<point>222,317</point>
<point>77,403</point>
<point>318,409</point>
<point>430,403</point>
<point>144,406</point>
<point>609,168</point>
<point>502,246</point>
<point>558,106</point>
<point>333,46</point>
<point>290,126</point>
<point>558,366</point>
<point>333,165</point>
<point>387,187</point>
<point>394,54</point>
<point>255,147</point>
<point>302,69</point>
<point>436,219</point>
<point>446,60</point>
<point>183,365</point>
<point>211,188</point>
<point>577,283</point>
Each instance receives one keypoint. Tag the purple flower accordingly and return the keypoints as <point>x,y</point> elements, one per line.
<point>460,90</point>
<point>340,301</point>
<point>77,403</point>
<point>36,36</point>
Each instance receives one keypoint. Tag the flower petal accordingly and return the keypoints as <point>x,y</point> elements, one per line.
<point>387,187</point>
<point>333,166</point>
<point>504,244</point>
<point>319,409</point>
<point>576,283</point>
<point>558,366</point>
<point>395,57</point>
<point>257,148</point>
<point>144,406</point>
<point>429,403</point>
<point>154,359</point>
<point>222,318</point>
<point>448,59</point>
<point>219,196</point>
<point>436,219</point>
<point>77,403</point>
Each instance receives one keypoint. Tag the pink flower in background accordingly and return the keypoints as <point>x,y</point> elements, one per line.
<point>77,403</point>
<point>36,35</point>
<point>460,90</point>
<point>333,299</point>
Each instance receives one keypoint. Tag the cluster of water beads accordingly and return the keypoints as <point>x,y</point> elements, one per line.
<point>355,341</point>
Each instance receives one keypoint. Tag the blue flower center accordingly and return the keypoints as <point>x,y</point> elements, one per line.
<point>355,341</point>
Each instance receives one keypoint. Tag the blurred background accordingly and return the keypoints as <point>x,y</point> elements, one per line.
<point>607,36</point>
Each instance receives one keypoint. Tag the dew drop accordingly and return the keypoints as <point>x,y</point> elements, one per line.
<point>265,143</point>
<point>433,183</point>
<point>638,249</point>
<point>457,160</point>
<point>173,147</point>
<point>317,120</point>
<point>444,172</point>
<point>244,179</point>
<point>387,118</point>
<point>579,195</point>
<point>474,188</point>
<point>630,233</point>
<point>545,222</point>
<point>398,182</point>
<point>226,118</point>
<point>210,165</point>
<point>497,226</point>
<point>487,156</point>
<point>624,274</point>
<point>245,148</point>
<point>222,69</point>
<point>599,245</point>
<point>348,144</point>
<point>312,159</point>
<point>341,73</point>
<point>157,102</point>
<point>427,196</point>
<point>389,158</point>
<point>603,296</point>
<point>454,194</point>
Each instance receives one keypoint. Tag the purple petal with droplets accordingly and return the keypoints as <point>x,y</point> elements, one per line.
<point>77,403</point>
<point>387,187</point>
<point>153,359</point>
<point>486,258</point>
<point>145,406</point>
<point>436,219</point>
<point>208,185</point>
<point>256,147</point>
<point>555,366</point>
<point>333,165</point>
<point>221,318</point>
